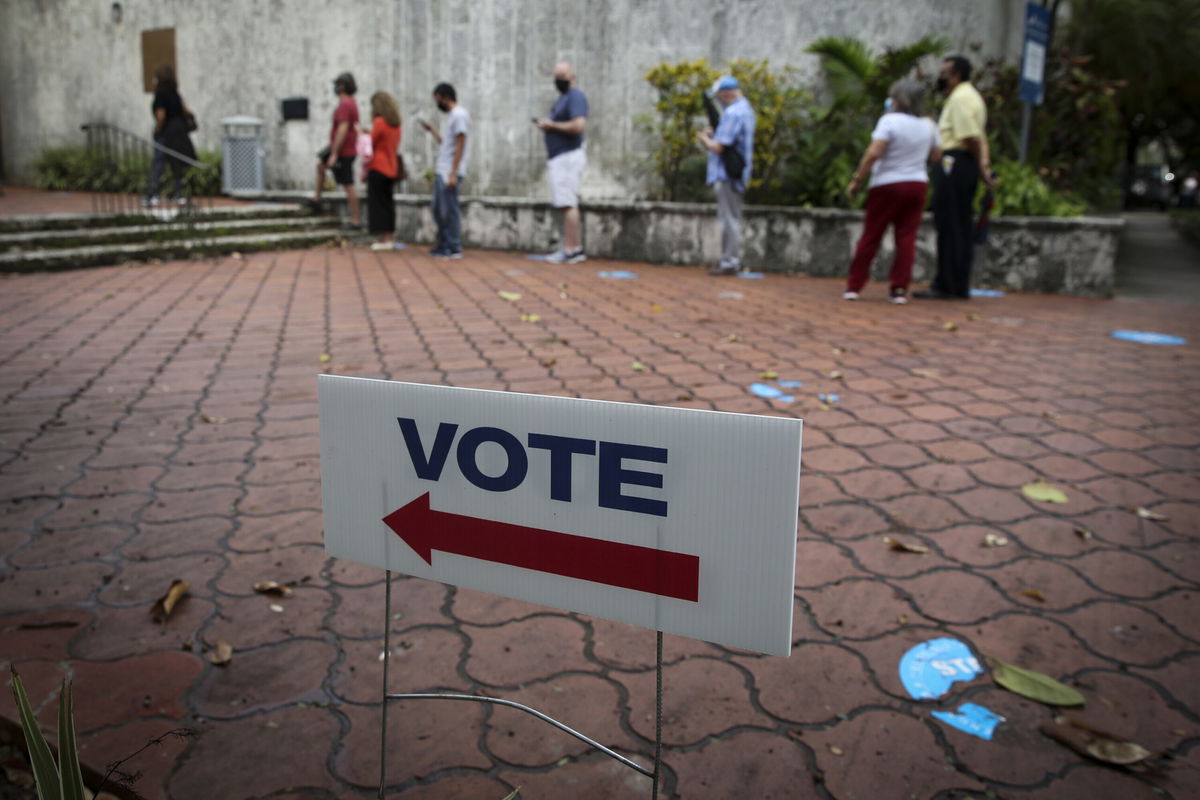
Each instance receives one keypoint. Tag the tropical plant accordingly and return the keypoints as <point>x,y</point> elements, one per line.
<point>857,77</point>
<point>1021,191</point>
<point>55,781</point>
<point>81,169</point>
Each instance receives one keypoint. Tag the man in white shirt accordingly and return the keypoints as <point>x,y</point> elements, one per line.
<point>450,168</point>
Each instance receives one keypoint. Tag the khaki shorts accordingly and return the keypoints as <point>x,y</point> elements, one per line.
<point>565,173</point>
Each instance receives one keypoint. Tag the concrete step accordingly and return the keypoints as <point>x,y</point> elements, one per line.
<point>45,222</point>
<point>106,254</point>
<point>155,232</point>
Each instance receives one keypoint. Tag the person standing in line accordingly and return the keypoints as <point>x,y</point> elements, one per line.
<point>338,156</point>
<point>902,145</point>
<point>965,158</point>
<point>170,131</point>
<point>735,132</point>
<point>382,169</point>
<point>450,168</point>
<point>566,160</point>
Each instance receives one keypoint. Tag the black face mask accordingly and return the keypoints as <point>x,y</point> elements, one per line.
<point>942,83</point>
<point>562,84</point>
<point>442,106</point>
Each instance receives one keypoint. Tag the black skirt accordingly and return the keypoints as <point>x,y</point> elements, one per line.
<point>381,204</point>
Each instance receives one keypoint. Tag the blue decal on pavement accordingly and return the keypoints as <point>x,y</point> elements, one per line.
<point>751,276</point>
<point>616,273</point>
<point>972,719</point>
<point>928,669</point>
<point>791,384</point>
<point>986,293</point>
<point>1148,337</point>
<point>770,392</point>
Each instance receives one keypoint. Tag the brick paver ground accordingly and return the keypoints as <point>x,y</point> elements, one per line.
<point>160,422</point>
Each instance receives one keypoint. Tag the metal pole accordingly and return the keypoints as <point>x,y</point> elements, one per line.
<point>387,657</point>
<point>1026,122</point>
<point>658,719</point>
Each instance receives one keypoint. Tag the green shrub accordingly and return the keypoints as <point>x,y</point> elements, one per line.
<point>1022,192</point>
<point>81,169</point>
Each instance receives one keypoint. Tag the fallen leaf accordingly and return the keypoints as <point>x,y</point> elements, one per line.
<point>973,317</point>
<point>166,604</point>
<point>562,762</point>
<point>949,326</point>
<point>926,373</point>
<point>683,397</point>
<point>1050,415</point>
<point>1033,594</point>
<point>835,374</point>
<point>733,337</point>
<point>904,547</point>
<point>1082,532</point>
<point>549,362</point>
<point>1095,743</point>
<point>902,619</point>
<point>637,366</point>
<point>1033,685</point>
<point>531,318</point>
<point>1044,492</point>
<point>1146,513</point>
<point>899,396</point>
<point>768,375</point>
<point>272,724</point>
<point>273,588</point>
<point>561,286</point>
<point>109,295</point>
<point>222,653</point>
<point>837,351</point>
<point>509,296</point>
<point>325,358</point>
<point>992,540</point>
<point>656,307</point>
<point>213,420</point>
<point>837,751</point>
<point>278,609</point>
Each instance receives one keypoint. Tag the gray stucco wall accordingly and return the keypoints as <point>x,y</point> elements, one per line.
<point>65,62</point>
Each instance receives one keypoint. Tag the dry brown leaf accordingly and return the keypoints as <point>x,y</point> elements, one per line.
<point>949,326</point>
<point>324,358</point>
<point>1033,594</point>
<point>973,317</point>
<point>221,653</point>
<point>656,307</point>
<point>163,607</point>
<point>992,540</point>
<point>1146,513</point>
<point>837,751</point>
<point>768,374</point>
<point>637,366</point>
<point>904,547</point>
<point>278,609</point>
<point>1095,743</point>
<point>926,373</point>
<point>531,318</point>
<point>1083,533</point>
<point>549,362</point>
<point>837,351</point>
<point>213,420</point>
<point>835,374</point>
<point>902,619</point>
<point>1050,415</point>
<point>683,397</point>
<point>733,337</point>
<point>273,588</point>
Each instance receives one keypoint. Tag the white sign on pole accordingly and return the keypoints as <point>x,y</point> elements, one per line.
<point>673,519</point>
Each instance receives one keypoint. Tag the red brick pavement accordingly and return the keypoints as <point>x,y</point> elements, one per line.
<point>159,422</point>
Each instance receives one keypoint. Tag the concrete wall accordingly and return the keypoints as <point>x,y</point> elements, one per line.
<point>1033,254</point>
<point>66,62</point>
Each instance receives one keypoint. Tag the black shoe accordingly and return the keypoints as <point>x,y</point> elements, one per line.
<point>719,270</point>
<point>933,294</point>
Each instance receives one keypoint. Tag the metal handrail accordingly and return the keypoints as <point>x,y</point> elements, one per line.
<point>191,162</point>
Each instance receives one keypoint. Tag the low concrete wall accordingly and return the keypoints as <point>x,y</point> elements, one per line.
<point>1036,254</point>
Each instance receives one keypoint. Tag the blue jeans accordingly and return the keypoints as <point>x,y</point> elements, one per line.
<point>447,216</point>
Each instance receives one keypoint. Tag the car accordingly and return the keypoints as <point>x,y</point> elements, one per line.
<point>1149,185</point>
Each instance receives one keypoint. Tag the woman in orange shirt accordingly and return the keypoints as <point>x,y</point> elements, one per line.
<point>382,169</point>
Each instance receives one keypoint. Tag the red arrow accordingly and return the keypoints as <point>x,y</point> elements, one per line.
<point>628,566</point>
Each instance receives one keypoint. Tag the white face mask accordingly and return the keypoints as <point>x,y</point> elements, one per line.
<point>887,105</point>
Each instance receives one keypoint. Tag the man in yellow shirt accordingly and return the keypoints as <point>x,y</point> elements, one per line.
<point>965,159</point>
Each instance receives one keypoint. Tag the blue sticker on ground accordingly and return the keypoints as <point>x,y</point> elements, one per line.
<point>537,257</point>
<point>830,399</point>
<point>616,273</point>
<point>928,669</point>
<point>1148,337</point>
<point>770,392</point>
<point>986,293</point>
<point>972,719</point>
<point>791,384</point>
<point>751,276</point>
<point>398,245</point>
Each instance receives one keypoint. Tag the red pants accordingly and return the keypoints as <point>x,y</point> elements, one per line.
<point>898,204</point>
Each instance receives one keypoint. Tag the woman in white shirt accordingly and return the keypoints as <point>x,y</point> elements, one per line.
<point>902,144</point>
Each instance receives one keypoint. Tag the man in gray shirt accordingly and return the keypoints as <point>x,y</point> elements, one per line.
<point>450,169</point>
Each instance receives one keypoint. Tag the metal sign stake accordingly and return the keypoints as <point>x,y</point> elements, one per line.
<point>654,775</point>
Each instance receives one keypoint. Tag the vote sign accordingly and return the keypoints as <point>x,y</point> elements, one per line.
<point>673,519</point>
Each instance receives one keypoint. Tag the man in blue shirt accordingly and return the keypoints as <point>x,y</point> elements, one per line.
<point>566,160</point>
<point>735,130</point>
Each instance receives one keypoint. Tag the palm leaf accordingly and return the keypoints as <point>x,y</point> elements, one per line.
<point>45,772</point>
<point>848,63</point>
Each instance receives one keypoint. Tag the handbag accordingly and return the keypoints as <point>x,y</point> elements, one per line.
<point>189,121</point>
<point>401,170</point>
<point>733,161</point>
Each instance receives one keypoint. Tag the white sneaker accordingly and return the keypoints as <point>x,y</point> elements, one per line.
<point>557,257</point>
<point>382,246</point>
<point>849,295</point>
<point>899,299</point>
<point>577,257</point>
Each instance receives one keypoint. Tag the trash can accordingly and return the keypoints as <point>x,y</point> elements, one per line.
<point>241,154</point>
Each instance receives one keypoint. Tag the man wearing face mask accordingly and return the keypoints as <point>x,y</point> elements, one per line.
<point>965,158</point>
<point>338,157</point>
<point>450,168</point>
<point>566,160</point>
<point>735,131</point>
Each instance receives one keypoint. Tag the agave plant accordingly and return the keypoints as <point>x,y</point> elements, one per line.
<point>55,781</point>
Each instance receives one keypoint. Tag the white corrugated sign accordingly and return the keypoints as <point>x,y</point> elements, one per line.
<point>674,519</point>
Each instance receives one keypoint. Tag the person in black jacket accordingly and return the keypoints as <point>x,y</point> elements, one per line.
<point>170,131</point>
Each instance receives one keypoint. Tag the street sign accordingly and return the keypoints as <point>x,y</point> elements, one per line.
<point>678,520</point>
<point>1033,55</point>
